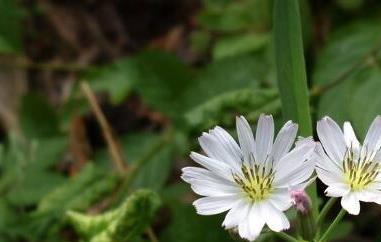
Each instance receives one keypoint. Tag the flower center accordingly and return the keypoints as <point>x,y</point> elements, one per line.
<point>359,172</point>
<point>256,181</point>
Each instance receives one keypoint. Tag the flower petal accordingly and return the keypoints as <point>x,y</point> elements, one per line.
<point>227,141</point>
<point>293,160</point>
<point>297,176</point>
<point>332,138</point>
<point>216,150</point>
<point>205,183</point>
<point>284,140</point>
<point>351,203</point>
<point>350,137</point>
<point>372,139</point>
<point>281,199</point>
<point>264,137</point>
<point>337,190</point>
<point>215,205</point>
<point>324,162</point>
<point>245,137</point>
<point>217,167</point>
<point>275,219</point>
<point>238,213</point>
<point>251,226</point>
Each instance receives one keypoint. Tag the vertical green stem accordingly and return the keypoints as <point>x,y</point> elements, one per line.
<point>291,72</point>
<point>333,225</point>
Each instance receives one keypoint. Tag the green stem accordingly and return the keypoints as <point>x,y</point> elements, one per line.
<point>287,237</point>
<point>333,225</point>
<point>328,205</point>
<point>291,72</point>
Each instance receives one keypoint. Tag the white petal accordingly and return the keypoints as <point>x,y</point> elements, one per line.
<point>275,219</point>
<point>351,203</point>
<point>256,222</point>
<point>284,140</point>
<point>227,141</point>
<point>214,149</point>
<point>215,205</point>
<point>337,190</point>
<point>328,177</point>
<point>372,139</point>
<point>350,137</point>
<point>324,162</point>
<point>295,177</point>
<point>264,137</point>
<point>245,137</point>
<point>369,195</point>
<point>304,141</point>
<point>205,183</point>
<point>238,213</point>
<point>251,227</point>
<point>217,167</point>
<point>281,199</point>
<point>332,138</point>
<point>293,160</point>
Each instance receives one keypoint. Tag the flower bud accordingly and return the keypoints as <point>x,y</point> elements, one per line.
<point>301,201</point>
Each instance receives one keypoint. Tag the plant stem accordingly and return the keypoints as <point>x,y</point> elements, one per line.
<point>151,235</point>
<point>291,73</point>
<point>327,206</point>
<point>112,144</point>
<point>331,227</point>
<point>287,237</point>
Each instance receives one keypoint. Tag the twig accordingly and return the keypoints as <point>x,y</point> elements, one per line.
<point>151,235</point>
<point>113,146</point>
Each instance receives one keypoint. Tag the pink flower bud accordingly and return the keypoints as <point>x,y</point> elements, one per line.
<point>301,201</point>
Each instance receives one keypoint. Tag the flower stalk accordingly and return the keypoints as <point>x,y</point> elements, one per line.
<point>333,225</point>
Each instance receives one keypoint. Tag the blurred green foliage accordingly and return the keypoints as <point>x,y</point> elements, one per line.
<point>40,202</point>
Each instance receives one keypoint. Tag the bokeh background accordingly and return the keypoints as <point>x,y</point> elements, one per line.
<point>100,99</point>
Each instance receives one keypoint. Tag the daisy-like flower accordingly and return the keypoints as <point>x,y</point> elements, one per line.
<point>350,170</point>
<point>250,180</point>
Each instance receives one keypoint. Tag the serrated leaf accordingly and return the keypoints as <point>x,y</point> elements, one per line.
<point>122,224</point>
<point>79,192</point>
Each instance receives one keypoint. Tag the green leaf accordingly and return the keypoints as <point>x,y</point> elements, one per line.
<point>366,95</point>
<point>155,171</point>
<point>346,48</point>
<point>116,79</point>
<point>350,62</point>
<point>125,223</point>
<point>223,76</point>
<point>27,165</point>
<point>228,16</point>
<point>79,192</point>
<point>10,27</point>
<point>38,119</point>
<point>239,44</point>
<point>162,80</point>
<point>188,226</point>
<point>222,109</point>
<point>291,73</point>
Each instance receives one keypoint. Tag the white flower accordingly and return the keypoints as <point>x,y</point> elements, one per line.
<point>349,169</point>
<point>251,180</point>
